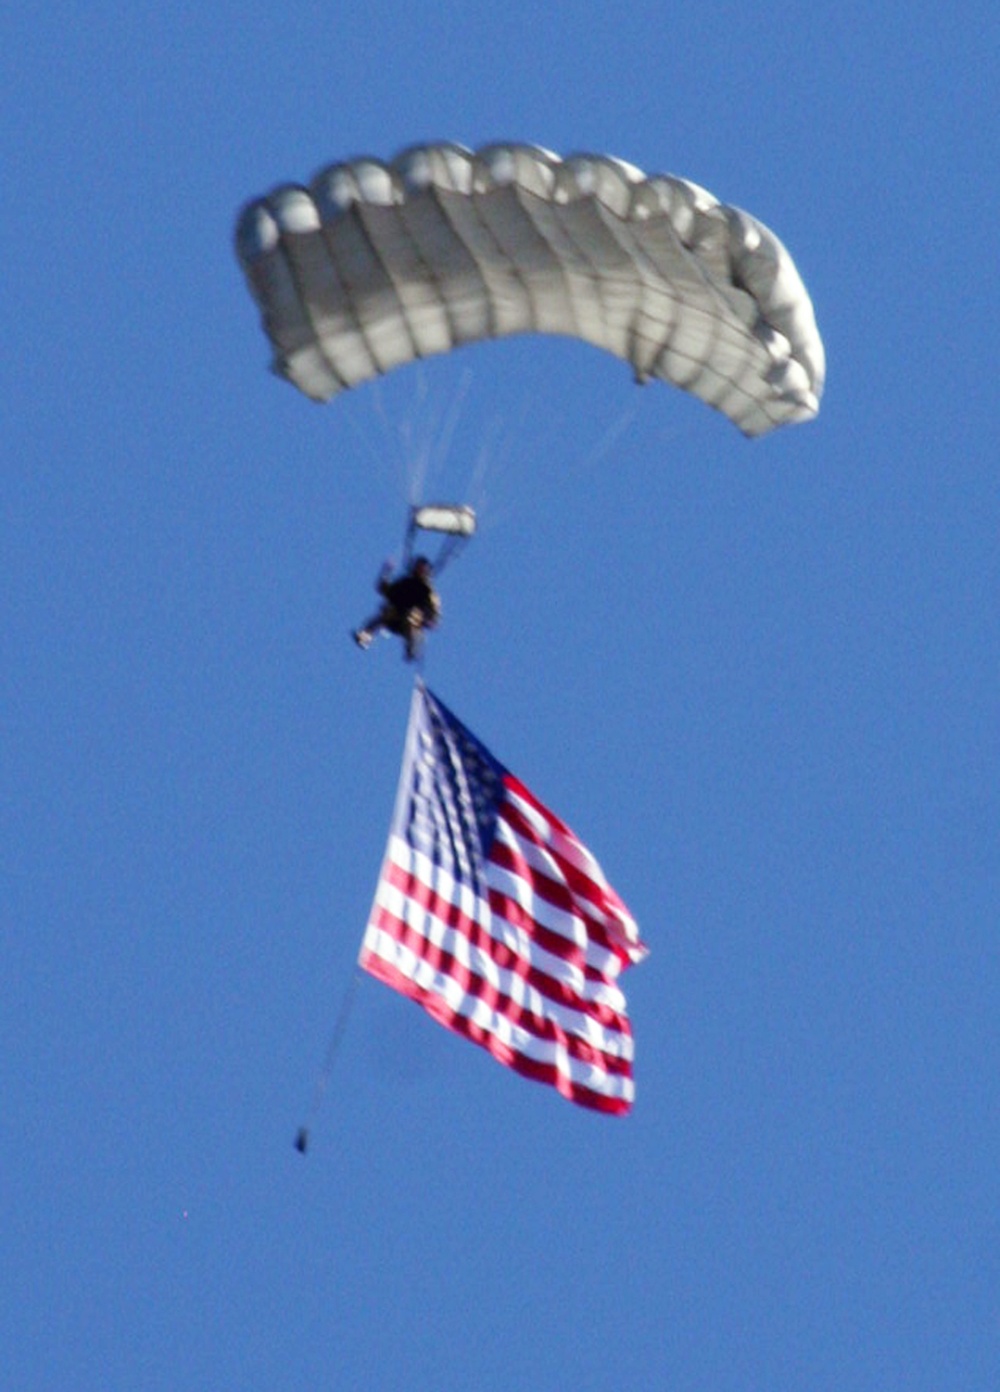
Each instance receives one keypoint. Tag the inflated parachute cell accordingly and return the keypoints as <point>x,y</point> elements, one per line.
<point>376,264</point>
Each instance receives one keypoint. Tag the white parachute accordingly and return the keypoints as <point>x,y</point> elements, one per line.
<point>376,264</point>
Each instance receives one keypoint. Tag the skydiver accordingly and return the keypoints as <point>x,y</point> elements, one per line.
<point>412,606</point>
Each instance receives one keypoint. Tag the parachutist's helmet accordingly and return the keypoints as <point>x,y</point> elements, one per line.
<point>421,566</point>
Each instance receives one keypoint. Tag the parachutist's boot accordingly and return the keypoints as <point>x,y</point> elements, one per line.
<point>362,637</point>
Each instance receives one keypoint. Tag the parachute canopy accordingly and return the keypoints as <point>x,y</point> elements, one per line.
<point>376,264</point>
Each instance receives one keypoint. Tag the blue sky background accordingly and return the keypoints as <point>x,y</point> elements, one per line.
<point>759,679</point>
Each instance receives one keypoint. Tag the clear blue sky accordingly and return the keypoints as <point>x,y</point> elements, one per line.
<point>761,680</point>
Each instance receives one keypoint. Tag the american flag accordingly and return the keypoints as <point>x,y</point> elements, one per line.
<point>498,921</point>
